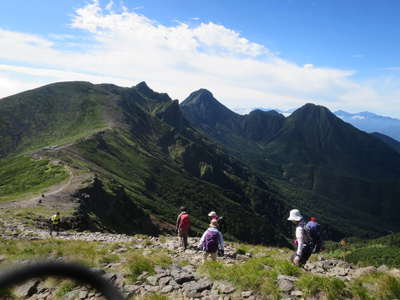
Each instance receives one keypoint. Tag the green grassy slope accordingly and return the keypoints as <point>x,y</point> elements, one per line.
<point>365,252</point>
<point>51,115</point>
<point>22,176</point>
<point>159,185</point>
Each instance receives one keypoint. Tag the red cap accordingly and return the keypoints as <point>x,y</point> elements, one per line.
<point>313,219</point>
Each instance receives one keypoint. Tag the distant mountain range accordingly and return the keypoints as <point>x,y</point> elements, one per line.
<point>371,122</point>
<point>150,155</point>
<point>365,121</point>
<point>319,162</point>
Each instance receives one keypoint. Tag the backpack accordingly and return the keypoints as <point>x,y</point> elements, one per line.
<point>313,230</point>
<point>184,222</point>
<point>211,241</point>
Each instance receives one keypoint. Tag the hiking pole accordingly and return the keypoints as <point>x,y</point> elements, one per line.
<point>70,270</point>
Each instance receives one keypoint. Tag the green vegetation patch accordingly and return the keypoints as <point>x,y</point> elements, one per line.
<point>50,116</point>
<point>22,175</point>
<point>32,215</point>
<point>87,253</point>
<point>65,287</point>
<point>258,274</point>
<point>6,294</point>
<point>376,286</point>
<point>137,264</point>
<point>365,252</point>
<point>375,256</point>
<point>312,285</point>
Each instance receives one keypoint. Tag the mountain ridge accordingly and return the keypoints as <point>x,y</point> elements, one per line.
<point>251,168</point>
<point>365,120</point>
<point>317,152</point>
<point>150,150</point>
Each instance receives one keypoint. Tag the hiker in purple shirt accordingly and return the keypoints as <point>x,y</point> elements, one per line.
<point>212,241</point>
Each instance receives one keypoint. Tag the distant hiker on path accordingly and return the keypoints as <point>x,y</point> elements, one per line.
<point>40,199</point>
<point>314,229</point>
<point>212,241</point>
<point>55,221</point>
<point>213,216</point>
<point>183,226</point>
<point>303,239</point>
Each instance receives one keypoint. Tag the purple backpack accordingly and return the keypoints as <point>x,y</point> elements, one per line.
<point>211,241</point>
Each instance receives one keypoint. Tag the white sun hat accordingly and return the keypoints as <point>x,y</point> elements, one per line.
<point>295,215</point>
<point>212,214</point>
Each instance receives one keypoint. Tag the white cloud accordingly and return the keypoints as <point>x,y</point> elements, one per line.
<point>226,41</point>
<point>42,75</point>
<point>125,47</point>
<point>10,85</point>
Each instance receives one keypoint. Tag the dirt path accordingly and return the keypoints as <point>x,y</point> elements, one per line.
<point>56,196</point>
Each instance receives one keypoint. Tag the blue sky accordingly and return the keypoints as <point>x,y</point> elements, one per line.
<point>341,54</point>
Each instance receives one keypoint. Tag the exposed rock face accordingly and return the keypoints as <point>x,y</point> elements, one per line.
<point>27,289</point>
<point>331,267</point>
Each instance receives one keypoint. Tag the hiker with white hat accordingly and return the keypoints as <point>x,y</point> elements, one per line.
<point>303,240</point>
<point>212,241</point>
<point>213,216</point>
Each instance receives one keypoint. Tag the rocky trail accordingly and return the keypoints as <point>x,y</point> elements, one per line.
<point>175,281</point>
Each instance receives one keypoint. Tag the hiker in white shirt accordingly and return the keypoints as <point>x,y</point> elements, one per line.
<point>303,240</point>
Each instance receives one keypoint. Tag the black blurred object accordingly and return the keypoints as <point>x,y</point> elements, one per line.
<point>77,272</point>
<point>220,252</point>
<point>221,224</point>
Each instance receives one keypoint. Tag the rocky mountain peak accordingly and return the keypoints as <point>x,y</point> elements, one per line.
<point>202,107</point>
<point>311,108</point>
<point>142,85</point>
<point>311,113</point>
<point>201,97</point>
<point>146,91</point>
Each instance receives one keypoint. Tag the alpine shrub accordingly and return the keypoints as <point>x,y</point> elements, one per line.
<point>375,256</point>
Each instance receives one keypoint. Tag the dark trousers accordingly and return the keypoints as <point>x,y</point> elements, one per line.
<point>184,238</point>
<point>305,254</point>
<point>54,227</point>
<point>317,246</point>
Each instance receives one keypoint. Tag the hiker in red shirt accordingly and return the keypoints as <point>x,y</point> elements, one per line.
<point>183,226</point>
